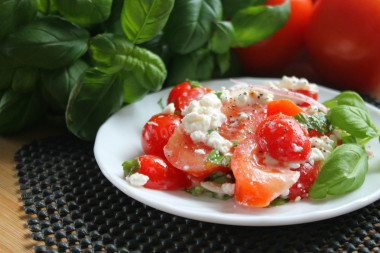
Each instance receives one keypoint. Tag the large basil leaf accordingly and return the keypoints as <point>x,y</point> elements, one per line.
<point>113,23</point>
<point>353,120</point>
<point>85,12</point>
<point>93,99</point>
<point>49,42</point>
<point>6,75</point>
<point>222,37</point>
<point>257,23</point>
<point>230,7</point>
<point>56,85</point>
<point>112,53</point>
<point>133,90</point>
<point>190,24</point>
<point>347,98</point>
<point>19,110</point>
<point>343,171</point>
<point>198,65</point>
<point>142,20</point>
<point>14,13</point>
<point>25,79</point>
<point>47,6</point>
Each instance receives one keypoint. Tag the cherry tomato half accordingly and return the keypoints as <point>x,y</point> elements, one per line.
<point>283,138</point>
<point>182,94</point>
<point>162,175</point>
<point>157,131</point>
<point>271,55</point>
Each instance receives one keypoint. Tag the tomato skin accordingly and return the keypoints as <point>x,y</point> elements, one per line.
<point>273,54</point>
<point>277,136</point>
<point>308,174</point>
<point>284,106</point>
<point>162,175</point>
<point>342,42</point>
<point>182,94</point>
<point>257,184</point>
<point>157,131</point>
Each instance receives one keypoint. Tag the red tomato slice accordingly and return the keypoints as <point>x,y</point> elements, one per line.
<point>308,174</point>
<point>188,156</point>
<point>162,175</point>
<point>157,131</point>
<point>284,106</point>
<point>258,184</point>
<point>182,94</point>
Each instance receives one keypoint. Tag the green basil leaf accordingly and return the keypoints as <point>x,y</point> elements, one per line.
<point>113,23</point>
<point>219,177</point>
<point>230,7</point>
<point>254,24</point>
<point>143,20</point>
<point>25,79</point>
<point>217,158</point>
<point>347,98</point>
<point>198,65</point>
<point>93,99</point>
<point>196,191</point>
<point>113,53</point>
<point>49,43</point>
<point>6,77</point>
<point>133,90</point>
<point>343,171</point>
<point>47,6</point>
<point>277,202</point>
<point>222,37</point>
<point>131,167</point>
<point>15,13</point>
<point>56,85</point>
<point>223,62</point>
<point>19,110</point>
<point>353,120</point>
<point>84,12</point>
<point>317,121</point>
<point>190,24</point>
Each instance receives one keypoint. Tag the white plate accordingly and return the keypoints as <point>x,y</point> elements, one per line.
<point>119,139</point>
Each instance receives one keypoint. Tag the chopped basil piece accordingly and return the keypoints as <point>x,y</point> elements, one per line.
<point>277,202</point>
<point>130,167</point>
<point>317,122</point>
<point>199,190</point>
<point>219,178</point>
<point>217,158</point>
<point>161,104</point>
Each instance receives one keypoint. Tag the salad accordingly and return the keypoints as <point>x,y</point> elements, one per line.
<point>261,145</point>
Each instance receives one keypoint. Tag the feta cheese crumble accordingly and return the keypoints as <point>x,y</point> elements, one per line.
<point>201,118</point>
<point>169,109</point>
<point>293,83</point>
<point>321,147</point>
<point>137,179</point>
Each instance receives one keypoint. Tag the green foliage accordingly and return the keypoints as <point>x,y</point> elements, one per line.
<point>84,12</point>
<point>129,48</point>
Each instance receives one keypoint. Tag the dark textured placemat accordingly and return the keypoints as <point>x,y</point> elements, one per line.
<point>72,207</point>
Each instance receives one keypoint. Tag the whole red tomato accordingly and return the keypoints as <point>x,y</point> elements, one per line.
<point>343,42</point>
<point>271,55</point>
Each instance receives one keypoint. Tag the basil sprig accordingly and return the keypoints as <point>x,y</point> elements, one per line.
<point>346,167</point>
<point>343,171</point>
<point>317,122</point>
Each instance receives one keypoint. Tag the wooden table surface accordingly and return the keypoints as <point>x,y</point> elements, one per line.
<point>14,233</point>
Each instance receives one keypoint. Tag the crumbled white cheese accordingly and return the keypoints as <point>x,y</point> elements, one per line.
<point>244,115</point>
<point>169,109</point>
<point>218,142</point>
<point>226,188</point>
<point>312,109</point>
<point>200,151</point>
<point>293,83</point>
<point>321,147</point>
<point>137,179</point>
<point>203,116</point>
<point>297,148</point>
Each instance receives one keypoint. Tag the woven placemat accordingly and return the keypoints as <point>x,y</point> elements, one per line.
<point>72,207</point>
